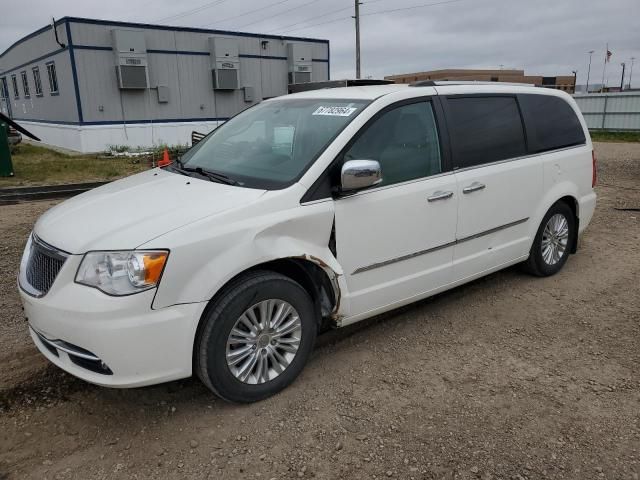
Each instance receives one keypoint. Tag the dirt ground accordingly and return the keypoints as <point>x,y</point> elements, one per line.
<point>509,377</point>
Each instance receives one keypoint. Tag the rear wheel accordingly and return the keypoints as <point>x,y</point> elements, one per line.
<point>553,241</point>
<point>256,338</point>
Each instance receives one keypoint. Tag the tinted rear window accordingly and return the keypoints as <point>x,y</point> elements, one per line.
<point>551,123</point>
<point>484,130</point>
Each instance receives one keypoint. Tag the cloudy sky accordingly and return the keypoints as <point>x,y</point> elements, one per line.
<point>547,37</point>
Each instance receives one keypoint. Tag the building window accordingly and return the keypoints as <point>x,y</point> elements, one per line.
<point>53,79</point>
<point>14,84</point>
<point>25,84</point>
<point>4,93</point>
<point>36,81</point>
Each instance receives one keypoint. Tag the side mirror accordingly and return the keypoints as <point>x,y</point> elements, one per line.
<point>359,174</point>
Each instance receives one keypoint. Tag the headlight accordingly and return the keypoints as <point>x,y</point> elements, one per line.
<point>122,273</point>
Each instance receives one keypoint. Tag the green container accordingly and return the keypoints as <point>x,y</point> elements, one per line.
<point>6,167</point>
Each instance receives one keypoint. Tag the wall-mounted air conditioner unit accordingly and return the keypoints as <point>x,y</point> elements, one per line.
<point>130,50</point>
<point>225,59</point>
<point>299,62</point>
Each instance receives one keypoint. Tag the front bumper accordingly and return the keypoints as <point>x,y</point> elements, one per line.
<point>137,345</point>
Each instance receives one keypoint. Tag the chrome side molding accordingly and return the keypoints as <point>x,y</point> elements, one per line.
<point>439,247</point>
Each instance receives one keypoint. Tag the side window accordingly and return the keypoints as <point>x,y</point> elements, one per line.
<point>25,84</point>
<point>551,123</point>
<point>405,142</point>
<point>37,83</point>
<point>4,93</point>
<point>484,130</point>
<point>53,78</point>
<point>14,84</point>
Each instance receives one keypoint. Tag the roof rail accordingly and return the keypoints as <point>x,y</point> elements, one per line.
<point>423,83</point>
<point>443,83</point>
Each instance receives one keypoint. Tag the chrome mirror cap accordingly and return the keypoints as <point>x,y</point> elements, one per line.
<point>358,174</point>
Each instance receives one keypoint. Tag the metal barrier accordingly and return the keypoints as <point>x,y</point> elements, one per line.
<point>610,111</point>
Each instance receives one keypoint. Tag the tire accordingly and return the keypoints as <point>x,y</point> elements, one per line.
<point>261,358</point>
<point>542,262</point>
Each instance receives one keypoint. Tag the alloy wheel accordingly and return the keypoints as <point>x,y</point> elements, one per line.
<point>555,239</point>
<point>264,341</point>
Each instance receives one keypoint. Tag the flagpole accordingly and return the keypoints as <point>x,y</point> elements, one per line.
<point>604,68</point>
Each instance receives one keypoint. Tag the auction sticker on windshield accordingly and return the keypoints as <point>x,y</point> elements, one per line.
<point>335,111</point>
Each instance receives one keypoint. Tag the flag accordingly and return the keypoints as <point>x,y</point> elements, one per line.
<point>608,57</point>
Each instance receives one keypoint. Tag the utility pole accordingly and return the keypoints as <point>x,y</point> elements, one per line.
<point>604,68</point>
<point>622,79</point>
<point>631,72</point>
<point>589,70</point>
<point>357,18</point>
<point>575,79</point>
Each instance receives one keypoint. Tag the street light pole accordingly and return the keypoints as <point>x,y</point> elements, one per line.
<point>622,79</point>
<point>357,17</point>
<point>631,71</point>
<point>575,79</point>
<point>589,70</point>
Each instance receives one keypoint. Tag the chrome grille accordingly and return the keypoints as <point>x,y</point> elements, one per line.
<point>43,265</point>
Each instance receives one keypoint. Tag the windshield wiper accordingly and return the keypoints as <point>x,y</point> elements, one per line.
<point>213,176</point>
<point>216,176</point>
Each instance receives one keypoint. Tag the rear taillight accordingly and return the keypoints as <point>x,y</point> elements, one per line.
<point>594,169</point>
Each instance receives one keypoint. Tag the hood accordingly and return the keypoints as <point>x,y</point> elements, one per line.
<point>129,212</point>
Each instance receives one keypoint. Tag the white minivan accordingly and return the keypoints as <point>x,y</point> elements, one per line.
<point>304,212</point>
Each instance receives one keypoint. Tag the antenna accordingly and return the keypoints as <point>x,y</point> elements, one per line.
<point>55,32</point>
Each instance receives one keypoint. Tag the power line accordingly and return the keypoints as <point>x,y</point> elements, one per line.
<point>412,7</point>
<point>278,14</point>
<point>247,13</point>
<point>318,24</point>
<point>186,13</point>
<point>373,13</point>
<point>315,17</point>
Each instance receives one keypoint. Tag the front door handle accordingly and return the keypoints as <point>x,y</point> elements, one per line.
<point>439,196</point>
<point>474,187</point>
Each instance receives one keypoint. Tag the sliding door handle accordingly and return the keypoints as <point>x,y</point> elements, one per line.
<point>474,187</point>
<point>439,196</point>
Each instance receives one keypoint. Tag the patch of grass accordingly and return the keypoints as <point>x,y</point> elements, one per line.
<point>174,150</point>
<point>155,151</point>
<point>117,148</point>
<point>36,165</point>
<point>603,136</point>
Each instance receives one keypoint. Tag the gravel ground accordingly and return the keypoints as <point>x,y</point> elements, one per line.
<point>508,377</point>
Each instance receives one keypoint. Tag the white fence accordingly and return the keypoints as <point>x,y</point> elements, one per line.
<point>610,111</point>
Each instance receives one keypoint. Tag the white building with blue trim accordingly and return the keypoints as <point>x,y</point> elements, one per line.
<point>87,84</point>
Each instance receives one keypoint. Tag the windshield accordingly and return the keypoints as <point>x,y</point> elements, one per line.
<point>272,144</point>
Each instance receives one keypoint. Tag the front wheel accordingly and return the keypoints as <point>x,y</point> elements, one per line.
<point>256,338</point>
<point>553,241</point>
